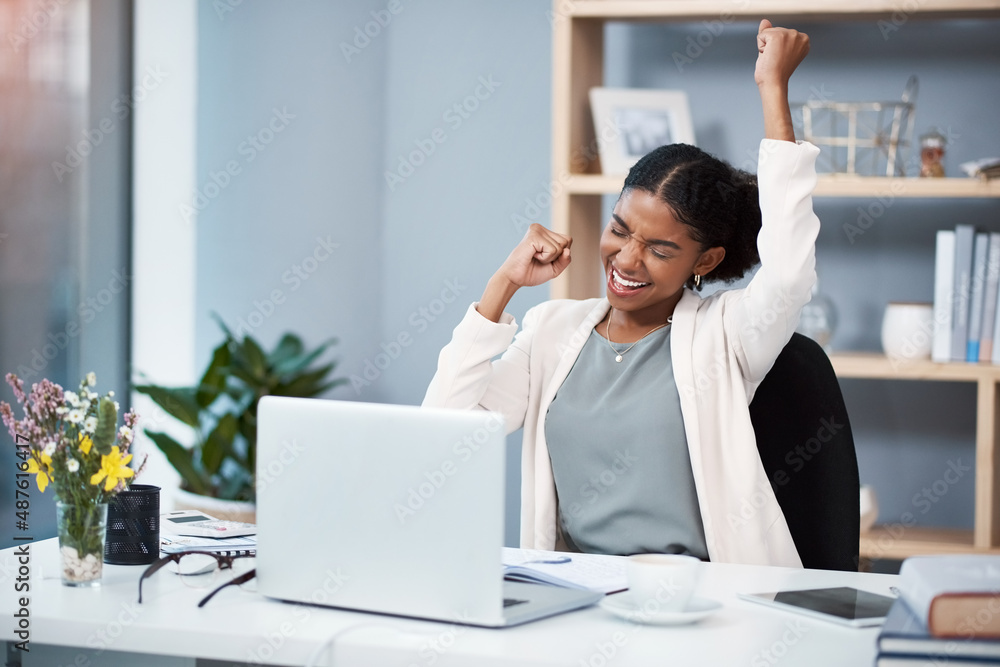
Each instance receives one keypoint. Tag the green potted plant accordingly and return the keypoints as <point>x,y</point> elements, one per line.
<point>222,412</point>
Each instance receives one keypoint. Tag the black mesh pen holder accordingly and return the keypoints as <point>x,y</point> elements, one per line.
<point>133,526</point>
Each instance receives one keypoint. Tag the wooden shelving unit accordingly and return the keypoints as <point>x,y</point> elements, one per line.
<point>578,48</point>
<point>912,540</point>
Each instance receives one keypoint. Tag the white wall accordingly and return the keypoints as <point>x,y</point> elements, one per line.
<point>165,278</point>
<point>292,240</point>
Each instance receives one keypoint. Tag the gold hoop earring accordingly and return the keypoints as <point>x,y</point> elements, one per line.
<point>697,280</point>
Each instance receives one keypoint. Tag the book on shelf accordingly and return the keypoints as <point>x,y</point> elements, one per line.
<point>904,640</point>
<point>592,572</point>
<point>979,249</point>
<point>990,298</point>
<point>995,352</point>
<point>956,596</point>
<point>985,168</point>
<point>964,241</point>
<point>944,281</point>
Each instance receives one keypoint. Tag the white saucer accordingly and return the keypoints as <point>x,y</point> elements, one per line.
<point>621,605</point>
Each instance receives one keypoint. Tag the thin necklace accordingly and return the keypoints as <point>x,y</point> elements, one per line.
<point>607,333</point>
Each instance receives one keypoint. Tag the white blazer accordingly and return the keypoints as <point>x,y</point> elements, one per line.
<point>722,346</point>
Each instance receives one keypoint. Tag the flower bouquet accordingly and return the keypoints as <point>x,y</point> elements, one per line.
<point>71,441</point>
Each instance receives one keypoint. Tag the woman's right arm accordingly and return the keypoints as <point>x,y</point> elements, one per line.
<point>540,256</point>
<point>467,377</point>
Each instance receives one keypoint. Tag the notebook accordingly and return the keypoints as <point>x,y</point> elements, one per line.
<point>389,509</point>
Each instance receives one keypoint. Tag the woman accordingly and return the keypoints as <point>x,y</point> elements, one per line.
<point>637,435</point>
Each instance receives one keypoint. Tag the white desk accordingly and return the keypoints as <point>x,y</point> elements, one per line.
<point>241,626</point>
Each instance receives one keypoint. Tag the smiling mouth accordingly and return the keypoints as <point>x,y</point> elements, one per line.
<point>622,284</point>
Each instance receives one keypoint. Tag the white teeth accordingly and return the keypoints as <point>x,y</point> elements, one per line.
<point>625,283</point>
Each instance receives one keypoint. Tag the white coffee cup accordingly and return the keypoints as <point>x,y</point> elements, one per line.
<point>662,582</point>
<point>908,331</point>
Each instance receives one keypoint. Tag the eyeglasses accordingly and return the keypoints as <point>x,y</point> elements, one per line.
<point>204,569</point>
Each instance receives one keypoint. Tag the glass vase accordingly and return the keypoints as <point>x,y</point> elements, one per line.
<point>81,530</point>
<point>818,319</point>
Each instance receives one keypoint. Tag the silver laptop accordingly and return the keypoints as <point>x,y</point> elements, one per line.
<point>389,509</point>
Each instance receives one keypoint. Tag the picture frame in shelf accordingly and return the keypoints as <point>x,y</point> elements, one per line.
<point>631,122</point>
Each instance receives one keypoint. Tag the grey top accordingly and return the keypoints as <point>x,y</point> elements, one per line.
<point>619,454</point>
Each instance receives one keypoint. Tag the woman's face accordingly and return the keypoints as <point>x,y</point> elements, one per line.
<point>648,255</point>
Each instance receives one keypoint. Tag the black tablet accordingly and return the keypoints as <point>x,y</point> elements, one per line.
<point>845,605</point>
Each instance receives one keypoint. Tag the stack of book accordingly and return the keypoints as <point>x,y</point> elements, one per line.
<point>986,168</point>
<point>966,292</point>
<point>948,612</point>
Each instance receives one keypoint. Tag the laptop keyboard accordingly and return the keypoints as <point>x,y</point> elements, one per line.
<point>510,602</point>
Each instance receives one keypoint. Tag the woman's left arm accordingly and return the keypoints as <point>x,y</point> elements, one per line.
<point>768,310</point>
<point>779,52</point>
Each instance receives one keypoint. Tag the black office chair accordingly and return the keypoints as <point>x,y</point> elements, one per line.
<point>805,443</point>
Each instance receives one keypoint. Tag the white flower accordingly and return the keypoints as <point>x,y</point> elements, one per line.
<point>91,395</point>
<point>111,394</point>
<point>72,465</point>
<point>91,379</point>
<point>61,410</point>
<point>50,449</point>
<point>117,407</point>
<point>71,398</point>
<point>90,424</point>
<point>125,432</point>
<point>76,416</point>
<point>85,406</point>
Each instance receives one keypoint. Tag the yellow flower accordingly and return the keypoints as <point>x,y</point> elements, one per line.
<point>114,468</point>
<point>43,475</point>
<point>85,443</point>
